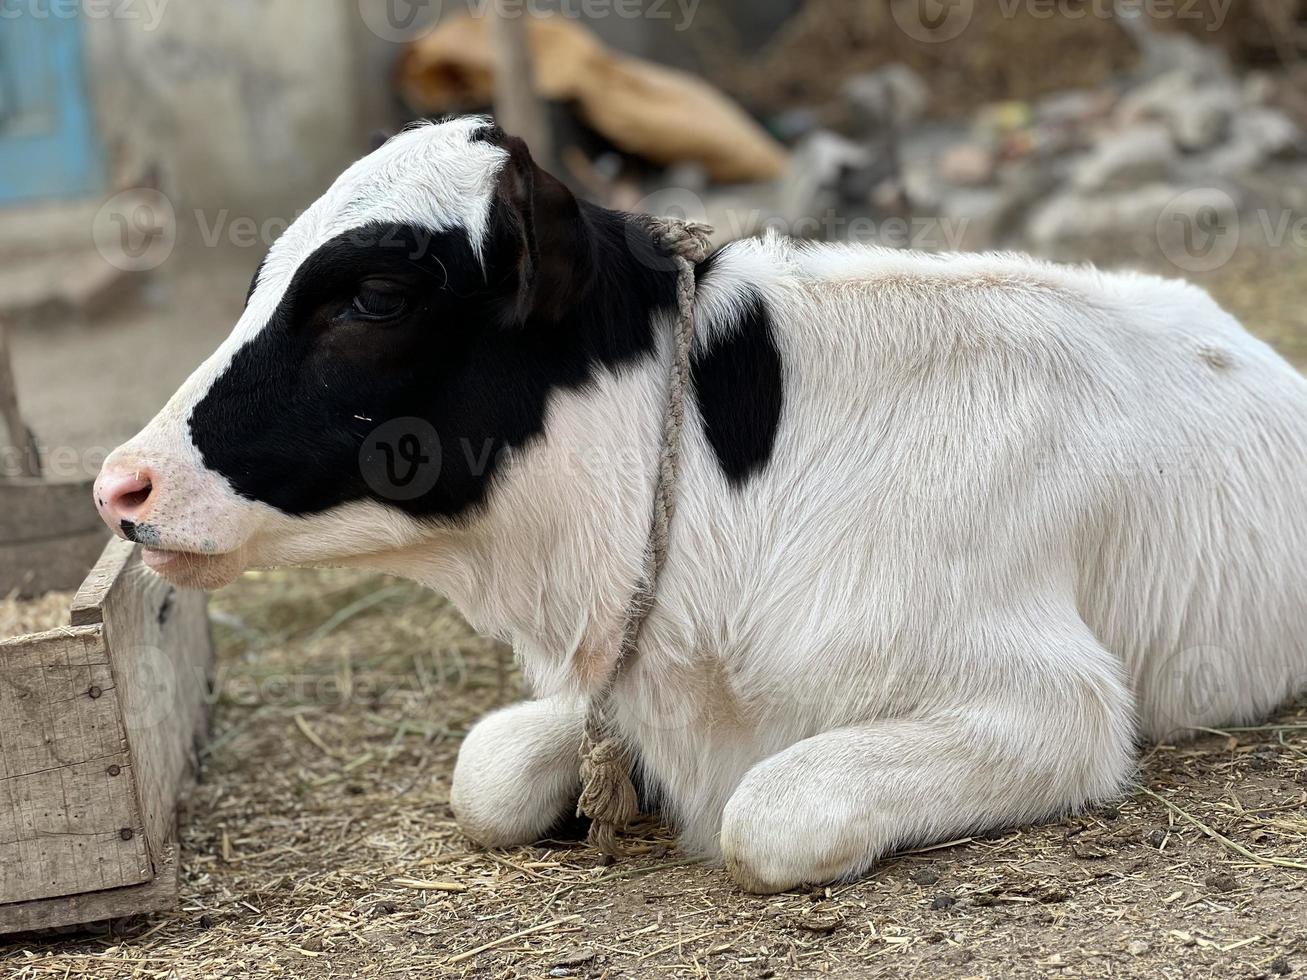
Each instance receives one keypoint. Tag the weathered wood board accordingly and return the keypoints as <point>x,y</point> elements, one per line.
<point>50,535</point>
<point>99,728</point>
<point>156,895</point>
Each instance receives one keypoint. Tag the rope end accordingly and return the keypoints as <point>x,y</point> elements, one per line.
<point>608,796</point>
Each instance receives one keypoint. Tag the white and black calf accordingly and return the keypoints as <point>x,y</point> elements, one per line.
<point>954,531</point>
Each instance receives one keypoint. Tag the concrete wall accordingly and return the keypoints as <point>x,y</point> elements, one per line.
<point>249,108</point>
<point>247,105</point>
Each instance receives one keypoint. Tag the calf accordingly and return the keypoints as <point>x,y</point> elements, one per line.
<point>953,531</point>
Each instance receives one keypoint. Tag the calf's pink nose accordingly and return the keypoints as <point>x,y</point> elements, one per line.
<point>123,497</point>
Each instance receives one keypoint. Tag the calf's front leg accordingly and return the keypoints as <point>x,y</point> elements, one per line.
<point>517,772</point>
<point>827,807</point>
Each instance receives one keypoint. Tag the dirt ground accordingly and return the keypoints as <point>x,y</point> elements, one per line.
<point>320,842</point>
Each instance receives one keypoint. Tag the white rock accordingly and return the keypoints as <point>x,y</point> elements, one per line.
<point>919,151</point>
<point>1258,88</point>
<point>1257,136</point>
<point>974,219</point>
<point>1074,107</point>
<point>815,169</point>
<point>1164,52</point>
<point>1070,217</point>
<point>1273,132</point>
<point>1198,115</point>
<point>892,96</point>
<point>1131,157</point>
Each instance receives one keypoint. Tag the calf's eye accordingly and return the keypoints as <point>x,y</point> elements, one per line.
<point>378,301</point>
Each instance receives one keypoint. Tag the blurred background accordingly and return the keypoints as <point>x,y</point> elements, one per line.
<point>151,150</point>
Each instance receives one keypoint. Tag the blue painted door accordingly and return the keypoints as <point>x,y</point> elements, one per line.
<point>48,144</point>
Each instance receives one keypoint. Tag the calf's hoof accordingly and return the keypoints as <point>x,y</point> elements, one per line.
<point>516,777</point>
<point>773,840</point>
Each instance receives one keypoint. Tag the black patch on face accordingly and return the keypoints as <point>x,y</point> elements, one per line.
<point>739,387</point>
<point>473,352</point>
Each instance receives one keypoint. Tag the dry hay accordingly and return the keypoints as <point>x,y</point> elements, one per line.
<point>19,617</point>
<point>321,843</point>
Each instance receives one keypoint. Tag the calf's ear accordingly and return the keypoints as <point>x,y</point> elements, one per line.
<point>537,221</point>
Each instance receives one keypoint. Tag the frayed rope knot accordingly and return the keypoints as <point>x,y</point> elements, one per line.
<point>608,796</point>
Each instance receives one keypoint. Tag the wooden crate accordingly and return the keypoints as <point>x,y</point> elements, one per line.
<point>100,727</point>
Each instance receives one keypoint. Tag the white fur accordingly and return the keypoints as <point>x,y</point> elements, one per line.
<point>1016,516</point>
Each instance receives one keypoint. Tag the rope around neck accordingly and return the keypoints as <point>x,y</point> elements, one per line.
<point>608,796</point>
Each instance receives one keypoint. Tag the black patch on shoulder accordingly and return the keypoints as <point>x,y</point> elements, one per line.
<point>739,385</point>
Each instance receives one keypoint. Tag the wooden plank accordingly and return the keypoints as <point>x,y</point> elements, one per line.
<point>70,818</point>
<point>162,656</point>
<point>33,568</point>
<point>48,717</point>
<point>156,895</point>
<point>20,436</point>
<point>72,829</point>
<point>50,534</point>
<point>88,603</point>
<point>37,510</point>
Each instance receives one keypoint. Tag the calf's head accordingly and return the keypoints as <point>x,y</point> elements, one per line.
<point>398,338</point>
